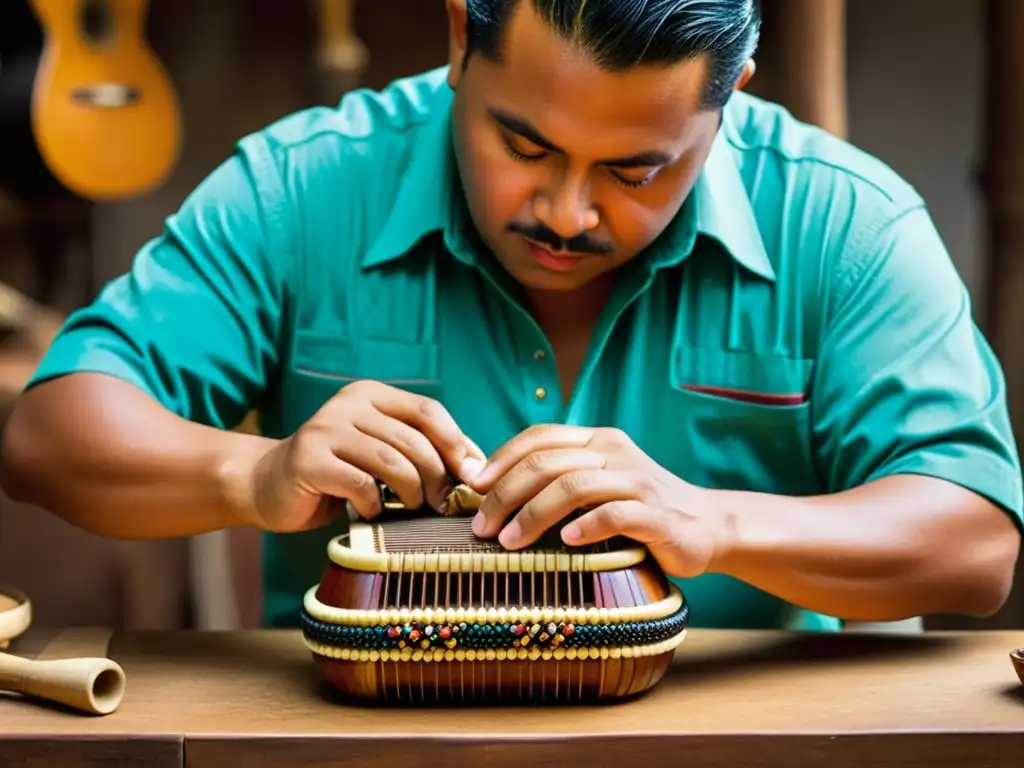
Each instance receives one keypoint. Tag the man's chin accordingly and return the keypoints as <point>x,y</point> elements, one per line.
<point>536,279</point>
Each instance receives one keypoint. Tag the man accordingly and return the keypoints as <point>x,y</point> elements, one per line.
<point>577,268</point>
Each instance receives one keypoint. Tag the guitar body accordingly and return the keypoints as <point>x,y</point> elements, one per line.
<point>105,114</point>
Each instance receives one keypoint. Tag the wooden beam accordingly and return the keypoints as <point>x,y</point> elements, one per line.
<point>809,60</point>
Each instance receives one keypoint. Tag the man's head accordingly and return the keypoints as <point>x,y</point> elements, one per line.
<point>581,125</point>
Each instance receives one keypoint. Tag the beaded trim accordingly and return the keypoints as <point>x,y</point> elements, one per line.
<point>535,653</point>
<point>330,614</point>
<point>506,639</point>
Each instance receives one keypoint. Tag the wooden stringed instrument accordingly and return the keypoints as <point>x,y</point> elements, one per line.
<point>413,608</point>
<point>105,114</point>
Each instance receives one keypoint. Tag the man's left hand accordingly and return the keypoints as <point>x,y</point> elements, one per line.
<point>548,471</point>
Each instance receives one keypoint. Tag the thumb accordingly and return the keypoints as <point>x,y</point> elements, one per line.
<point>329,510</point>
<point>473,450</point>
<point>473,462</point>
<point>632,519</point>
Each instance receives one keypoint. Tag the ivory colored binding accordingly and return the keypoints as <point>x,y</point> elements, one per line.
<point>15,621</point>
<point>359,554</point>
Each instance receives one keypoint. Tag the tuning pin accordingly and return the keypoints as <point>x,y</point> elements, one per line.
<point>388,498</point>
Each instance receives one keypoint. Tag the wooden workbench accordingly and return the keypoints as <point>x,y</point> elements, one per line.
<point>729,699</point>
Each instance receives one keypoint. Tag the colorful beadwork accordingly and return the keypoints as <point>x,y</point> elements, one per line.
<point>507,635</point>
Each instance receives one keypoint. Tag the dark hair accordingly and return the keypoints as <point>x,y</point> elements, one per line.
<point>622,34</point>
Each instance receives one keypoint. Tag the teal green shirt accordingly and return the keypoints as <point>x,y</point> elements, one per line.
<point>798,329</point>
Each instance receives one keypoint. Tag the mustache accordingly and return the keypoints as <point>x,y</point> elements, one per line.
<point>582,243</point>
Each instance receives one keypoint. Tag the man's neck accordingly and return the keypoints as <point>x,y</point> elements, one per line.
<point>568,320</point>
<point>556,310</point>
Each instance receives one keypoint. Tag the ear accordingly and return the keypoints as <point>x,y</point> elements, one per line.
<point>457,39</point>
<point>745,75</point>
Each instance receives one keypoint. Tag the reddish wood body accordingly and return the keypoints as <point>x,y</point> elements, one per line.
<point>500,680</point>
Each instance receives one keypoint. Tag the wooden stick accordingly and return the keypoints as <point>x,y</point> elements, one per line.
<point>94,686</point>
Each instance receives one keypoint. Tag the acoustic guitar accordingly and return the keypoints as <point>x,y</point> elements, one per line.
<point>104,113</point>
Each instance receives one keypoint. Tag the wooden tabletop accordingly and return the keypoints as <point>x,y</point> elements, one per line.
<point>730,698</point>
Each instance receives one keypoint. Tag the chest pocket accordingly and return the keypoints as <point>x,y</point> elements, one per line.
<point>378,325</point>
<point>745,418</point>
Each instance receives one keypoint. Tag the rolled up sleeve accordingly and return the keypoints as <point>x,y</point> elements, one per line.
<point>905,381</point>
<point>194,322</point>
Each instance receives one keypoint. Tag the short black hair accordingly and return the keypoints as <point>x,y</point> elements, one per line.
<point>622,34</point>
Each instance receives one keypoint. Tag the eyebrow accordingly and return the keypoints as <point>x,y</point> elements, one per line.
<point>523,128</point>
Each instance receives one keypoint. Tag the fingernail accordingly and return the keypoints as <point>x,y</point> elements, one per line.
<point>470,468</point>
<point>479,524</point>
<point>510,535</point>
<point>442,502</point>
<point>571,533</point>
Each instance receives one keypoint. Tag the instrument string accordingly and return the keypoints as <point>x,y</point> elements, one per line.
<point>471,579</point>
<point>487,583</point>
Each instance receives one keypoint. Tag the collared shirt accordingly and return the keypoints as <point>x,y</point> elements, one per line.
<point>798,329</point>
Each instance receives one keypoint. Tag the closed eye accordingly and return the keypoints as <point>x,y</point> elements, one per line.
<point>533,155</point>
<point>523,154</point>
<point>635,183</point>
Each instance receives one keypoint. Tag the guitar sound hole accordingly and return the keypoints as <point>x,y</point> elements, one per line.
<point>96,21</point>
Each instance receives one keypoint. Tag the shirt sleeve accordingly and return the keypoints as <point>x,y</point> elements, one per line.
<point>194,322</point>
<point>905,381</point>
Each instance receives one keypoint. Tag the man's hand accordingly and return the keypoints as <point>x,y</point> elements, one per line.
<point>549,471</point>
<point>367,431</point>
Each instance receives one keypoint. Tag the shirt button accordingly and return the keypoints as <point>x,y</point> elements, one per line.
<point>540,393</point>
<point>540,354</point>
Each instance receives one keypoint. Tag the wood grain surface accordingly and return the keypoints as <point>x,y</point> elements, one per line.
<point>729,698</point>
<point>70,748</point>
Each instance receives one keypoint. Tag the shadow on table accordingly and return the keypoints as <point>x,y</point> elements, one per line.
<point>1014,693</point>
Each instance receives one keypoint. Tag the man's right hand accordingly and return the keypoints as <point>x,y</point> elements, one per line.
<point>367,431</point>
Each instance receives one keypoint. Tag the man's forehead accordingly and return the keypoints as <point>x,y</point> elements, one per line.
<point>542,73</point>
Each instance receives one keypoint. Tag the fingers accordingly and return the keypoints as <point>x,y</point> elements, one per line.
<point>329,510</point>
<point>633,519</point>
<point>526,480</point>
<point>574,490</point>
<point>428,482</point>
<point>316,469</point>
<point>380,459</point>
<point>433,420</point>
<point>544,437</point>
<point>474,455</point>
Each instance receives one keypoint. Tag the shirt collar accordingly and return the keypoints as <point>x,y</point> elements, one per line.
<point>429,200</point>
<point>724,212</point>
<point>425,197</point>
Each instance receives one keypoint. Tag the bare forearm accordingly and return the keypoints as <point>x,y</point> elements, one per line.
<point>107,458</point>
<point>900,547</point>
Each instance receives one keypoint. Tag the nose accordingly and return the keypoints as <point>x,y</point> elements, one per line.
<point>567,210</point>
